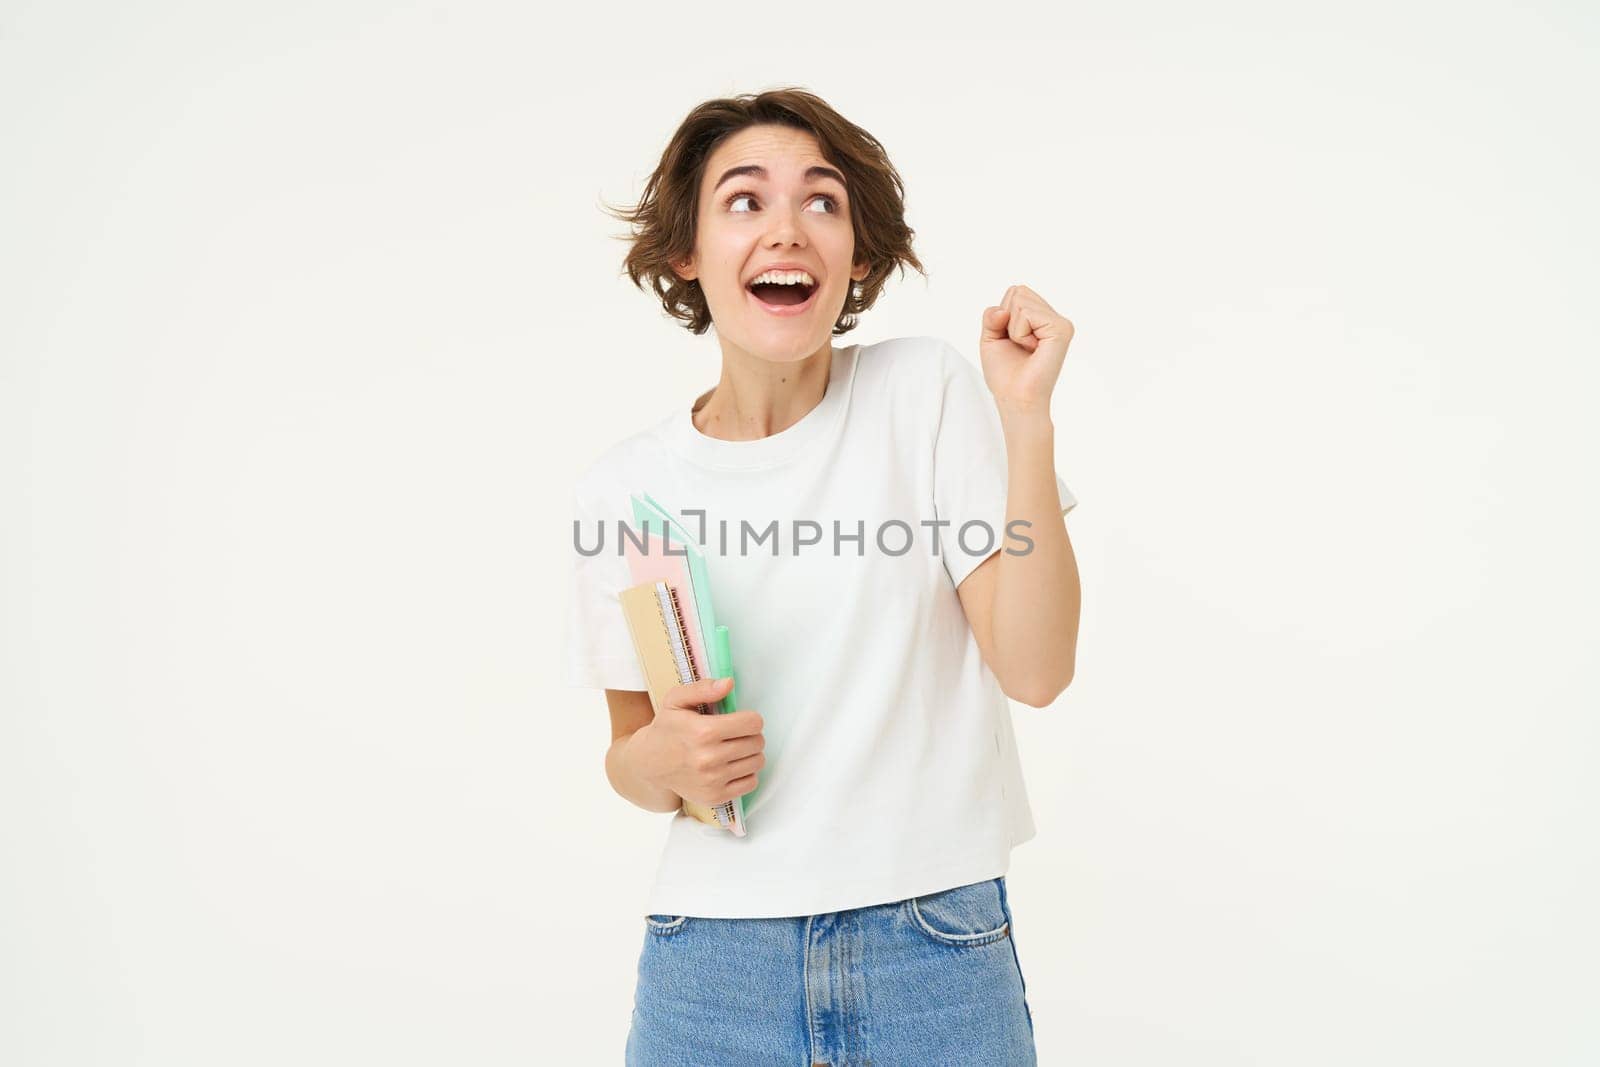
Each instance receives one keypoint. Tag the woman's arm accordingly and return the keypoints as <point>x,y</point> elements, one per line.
<point>630,713</point>
<point>1024,609</point>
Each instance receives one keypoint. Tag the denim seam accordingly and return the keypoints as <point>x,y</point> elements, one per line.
<point>805,982</point>
<point>1016,960</point>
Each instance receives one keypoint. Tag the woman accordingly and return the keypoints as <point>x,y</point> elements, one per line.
<point>909,571</point>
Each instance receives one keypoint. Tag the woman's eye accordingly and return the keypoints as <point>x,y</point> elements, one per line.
<point>833,205</point>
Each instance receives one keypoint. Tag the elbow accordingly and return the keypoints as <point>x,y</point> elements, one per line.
<point>1043,692</point>
<point>1040,698</point>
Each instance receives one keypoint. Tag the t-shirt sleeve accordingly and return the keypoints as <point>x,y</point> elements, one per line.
<point>969,470</point>
<point>600,652</point>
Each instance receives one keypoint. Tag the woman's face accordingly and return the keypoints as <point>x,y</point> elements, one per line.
<point>768,199</point>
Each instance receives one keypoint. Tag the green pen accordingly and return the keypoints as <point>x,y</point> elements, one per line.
<point>722,667</point>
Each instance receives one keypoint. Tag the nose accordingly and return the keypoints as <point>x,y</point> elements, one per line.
<point>785,228</point>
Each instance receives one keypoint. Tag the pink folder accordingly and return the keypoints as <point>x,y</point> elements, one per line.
<point>654,565</point>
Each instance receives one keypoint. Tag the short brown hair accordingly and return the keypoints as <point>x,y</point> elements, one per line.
<point>663,221</point>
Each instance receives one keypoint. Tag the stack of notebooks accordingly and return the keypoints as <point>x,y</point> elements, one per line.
<point>674,626</point>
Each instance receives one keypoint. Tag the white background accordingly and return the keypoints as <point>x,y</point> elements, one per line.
<point>311,317</point>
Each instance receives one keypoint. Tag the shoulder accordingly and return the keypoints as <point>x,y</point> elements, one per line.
<point>904,364</point>
<point>611,476</point>
<point>920,352</point>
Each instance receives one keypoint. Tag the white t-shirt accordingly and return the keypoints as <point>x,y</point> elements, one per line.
<point>891,767</point>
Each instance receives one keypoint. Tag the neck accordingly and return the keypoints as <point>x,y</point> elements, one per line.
<point>757,398</point>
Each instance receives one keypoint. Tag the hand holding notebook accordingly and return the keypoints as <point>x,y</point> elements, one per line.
<point>703,758</point>
<point>669,615</point>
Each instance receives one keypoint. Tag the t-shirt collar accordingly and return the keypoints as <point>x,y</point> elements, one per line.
<point>687,440</point>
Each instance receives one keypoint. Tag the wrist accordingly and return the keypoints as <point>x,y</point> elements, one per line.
<point>1026,420</point>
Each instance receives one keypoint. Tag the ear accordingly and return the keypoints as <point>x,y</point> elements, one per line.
<point>860,271</point>
<point>685,269</point>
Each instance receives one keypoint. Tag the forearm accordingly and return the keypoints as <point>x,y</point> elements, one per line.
<point>1036,595</point>
<point>627,779</point>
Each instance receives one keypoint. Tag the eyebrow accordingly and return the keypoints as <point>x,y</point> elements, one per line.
<point>755,170</point>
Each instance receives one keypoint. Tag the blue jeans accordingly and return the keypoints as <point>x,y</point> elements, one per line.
<point>923,981</point>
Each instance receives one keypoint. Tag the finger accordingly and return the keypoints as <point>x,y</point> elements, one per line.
<point>1024,293</point>
<point>1057,326</point>
<point>1044,320</point>
<point>743,723</point>
<point>1020,328</point>
<point>704,691</point>
<point>745,765</point>
<point>738,747</point>
<point>995,318</point>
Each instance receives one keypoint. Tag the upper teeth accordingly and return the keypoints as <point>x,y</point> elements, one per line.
<point>784,277</point>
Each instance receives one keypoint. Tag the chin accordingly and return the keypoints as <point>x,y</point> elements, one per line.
<point>784,346</point>
<point>781,341</point>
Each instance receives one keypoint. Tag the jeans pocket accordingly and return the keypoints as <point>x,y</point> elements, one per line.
<point>665,925</point>
<point>966,916</point>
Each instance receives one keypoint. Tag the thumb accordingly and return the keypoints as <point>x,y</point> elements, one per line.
<point>994,323</point>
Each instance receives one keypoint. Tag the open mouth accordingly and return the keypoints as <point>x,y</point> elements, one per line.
<point>788,297</point>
